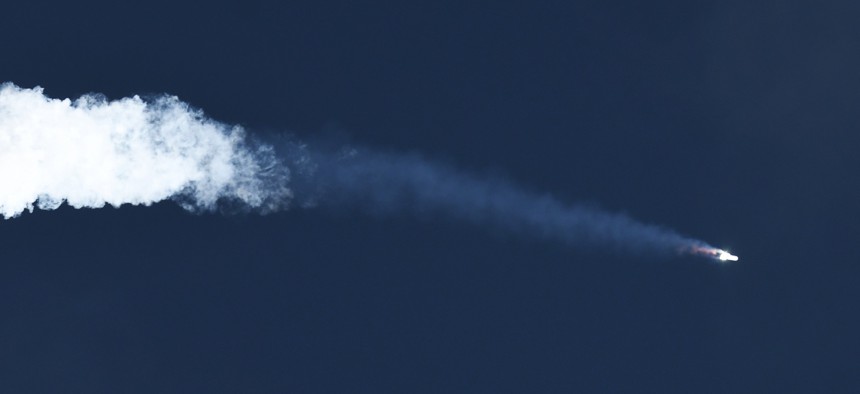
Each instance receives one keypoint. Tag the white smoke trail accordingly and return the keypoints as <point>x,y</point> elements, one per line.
<point>91,152</point>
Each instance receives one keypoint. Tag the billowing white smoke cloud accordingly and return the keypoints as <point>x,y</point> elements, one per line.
<point>91,152</point>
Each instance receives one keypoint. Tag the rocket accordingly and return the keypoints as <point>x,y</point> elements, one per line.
<point>723,255</point>
<point>715,253</point>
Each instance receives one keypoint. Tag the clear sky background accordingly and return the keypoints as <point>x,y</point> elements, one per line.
<point>734,122</point>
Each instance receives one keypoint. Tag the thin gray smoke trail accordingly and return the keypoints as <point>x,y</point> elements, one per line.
<point>92,152</point>
<point>395,183</point>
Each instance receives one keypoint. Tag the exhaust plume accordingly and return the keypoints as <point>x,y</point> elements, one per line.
<point>91,152</point>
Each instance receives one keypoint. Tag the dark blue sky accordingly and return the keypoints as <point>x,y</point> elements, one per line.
<point>734,122</point>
